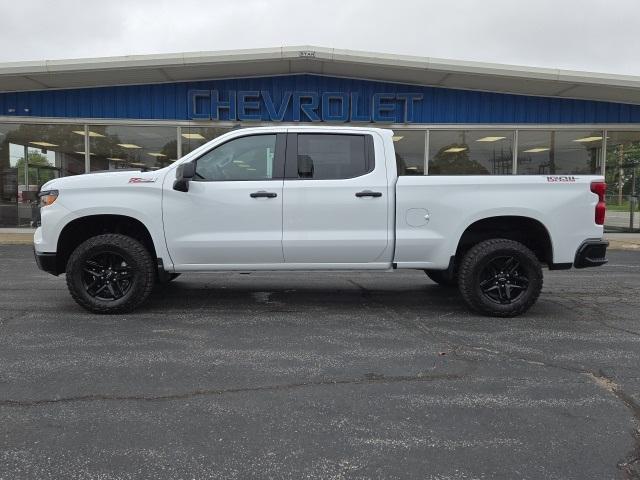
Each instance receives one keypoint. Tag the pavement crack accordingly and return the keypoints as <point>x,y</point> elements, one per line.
<point>367,379</point>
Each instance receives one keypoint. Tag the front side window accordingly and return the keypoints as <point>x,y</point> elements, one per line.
<point>245,158</point>
<point>330,157</point>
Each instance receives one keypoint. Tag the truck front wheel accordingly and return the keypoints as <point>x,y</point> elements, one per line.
<point>110,273</point>
<point>500,278</point>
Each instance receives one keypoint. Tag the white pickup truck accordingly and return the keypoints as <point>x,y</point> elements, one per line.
<point>315,198</point>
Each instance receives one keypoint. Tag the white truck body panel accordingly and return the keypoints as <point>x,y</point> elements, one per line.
<point>320,224</point>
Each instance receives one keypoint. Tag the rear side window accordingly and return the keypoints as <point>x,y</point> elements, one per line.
<point>330,157</point>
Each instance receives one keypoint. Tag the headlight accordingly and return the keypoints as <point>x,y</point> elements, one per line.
<point>47,197</point>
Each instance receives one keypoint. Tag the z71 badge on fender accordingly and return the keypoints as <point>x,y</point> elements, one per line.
<point>141,180</point>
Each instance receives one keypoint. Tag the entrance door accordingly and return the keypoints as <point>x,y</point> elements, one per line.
<point>335,199</point>
<point>232,213</point>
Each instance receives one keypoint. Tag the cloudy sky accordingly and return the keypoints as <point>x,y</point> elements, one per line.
<point>594,35</point>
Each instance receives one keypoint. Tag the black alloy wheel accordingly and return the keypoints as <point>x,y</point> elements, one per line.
<point>503,280</point>
<point>107,276</point>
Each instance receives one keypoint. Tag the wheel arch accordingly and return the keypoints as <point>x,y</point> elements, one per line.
<point>524,229</point>
<point>82,228</point>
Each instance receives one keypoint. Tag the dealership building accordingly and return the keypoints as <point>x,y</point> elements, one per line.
<point>68,117</point>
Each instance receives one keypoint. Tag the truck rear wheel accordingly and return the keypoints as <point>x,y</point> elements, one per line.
<point>110,273</point>
<point>442,277</point>
<point>500,278</point>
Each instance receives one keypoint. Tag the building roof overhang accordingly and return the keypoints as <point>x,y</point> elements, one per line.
<point>193,66</point>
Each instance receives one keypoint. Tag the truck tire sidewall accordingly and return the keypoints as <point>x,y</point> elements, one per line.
<point>474,264</point>
<point>133,252</point>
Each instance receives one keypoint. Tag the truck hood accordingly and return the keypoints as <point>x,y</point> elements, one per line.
<point>104,179</point>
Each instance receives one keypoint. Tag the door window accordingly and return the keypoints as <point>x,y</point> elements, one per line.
<point>245,158</point>
<point>328,156</point>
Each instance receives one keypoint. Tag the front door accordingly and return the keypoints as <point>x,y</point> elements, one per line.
<point>336,200</point>
<point>232,213</point>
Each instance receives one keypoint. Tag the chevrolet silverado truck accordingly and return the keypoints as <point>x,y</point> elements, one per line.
<point>315,198</point>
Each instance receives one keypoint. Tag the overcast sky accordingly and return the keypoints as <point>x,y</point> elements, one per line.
<point>594,35</point>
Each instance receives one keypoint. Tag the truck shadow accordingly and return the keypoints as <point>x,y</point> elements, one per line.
<point>287,295</point>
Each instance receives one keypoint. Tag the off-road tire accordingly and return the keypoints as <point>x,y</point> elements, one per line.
<point>443,278</point>
<point>140,263</point>
<point>477,262</point>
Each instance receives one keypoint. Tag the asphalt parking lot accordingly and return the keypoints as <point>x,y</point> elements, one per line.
<point>323,375</point>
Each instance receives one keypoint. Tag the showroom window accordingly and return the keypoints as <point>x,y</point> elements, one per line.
<point>470,152</point>
<point>542,152</point>
<point>31,155</point>
<point>147,148</point>
<point>623,181</point>
<point>409,146</point>
<point>194,137</point>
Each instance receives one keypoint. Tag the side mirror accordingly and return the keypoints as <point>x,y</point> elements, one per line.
<point>184,173</point>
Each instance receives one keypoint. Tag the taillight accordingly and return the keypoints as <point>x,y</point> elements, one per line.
<point>600,188</point>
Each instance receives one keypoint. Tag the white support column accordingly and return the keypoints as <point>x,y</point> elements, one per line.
<point>515,153</point>
<point>179,143</point>
<point>87,154</point>
<point>426,151</point>
<point>603,159</point>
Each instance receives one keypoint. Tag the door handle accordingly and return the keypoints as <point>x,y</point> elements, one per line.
<point>263,194</point>
<point>368,193</point>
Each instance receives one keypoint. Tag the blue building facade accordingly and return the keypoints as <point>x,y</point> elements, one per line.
<point>437,131</point>
<point>309,98</point>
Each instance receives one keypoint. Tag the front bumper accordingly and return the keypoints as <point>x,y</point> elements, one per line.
<point>592,253</point>
<point>47,262</point>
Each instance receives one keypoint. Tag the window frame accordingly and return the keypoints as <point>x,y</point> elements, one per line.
<point>291,157</point>
<point>278,158</point>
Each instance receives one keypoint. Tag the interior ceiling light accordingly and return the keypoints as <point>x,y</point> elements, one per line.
<point>138,164</point>
<point>397,138</point>
<point>455,149</point>
<point>44,144</point>
<point>490,139</point>
<point>116,159</point>
<point>83,153</point>
<point>129,145</point>
<point>157,155</point>
<point>537,150</point>
<point>193,136</point>
<point>587,139</point>
<point>91,134</point>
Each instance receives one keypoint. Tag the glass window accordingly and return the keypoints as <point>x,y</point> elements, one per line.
<point>31,155</point>
<point>470,152</point>
<point>147,148</point>
<point>409,147</point>
<point>245,158</point>
<point>543,152</point>
<point>194,137</point>
<point>326,157</point>
<point>623,181</point>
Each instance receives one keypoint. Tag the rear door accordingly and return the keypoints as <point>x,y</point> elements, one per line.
<point>335,199</point>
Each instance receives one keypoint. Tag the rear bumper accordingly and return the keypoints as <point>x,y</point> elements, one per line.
<point>47,262</point>
<point>592,253</point>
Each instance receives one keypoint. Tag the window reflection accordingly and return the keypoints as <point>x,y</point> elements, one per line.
<point>194,137</point>
<point>623,181</point>
<point>542,152</point>
<point>146,148</point>
<point>409,146</point>
<point>31,155</point>
<point>470,152</point>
